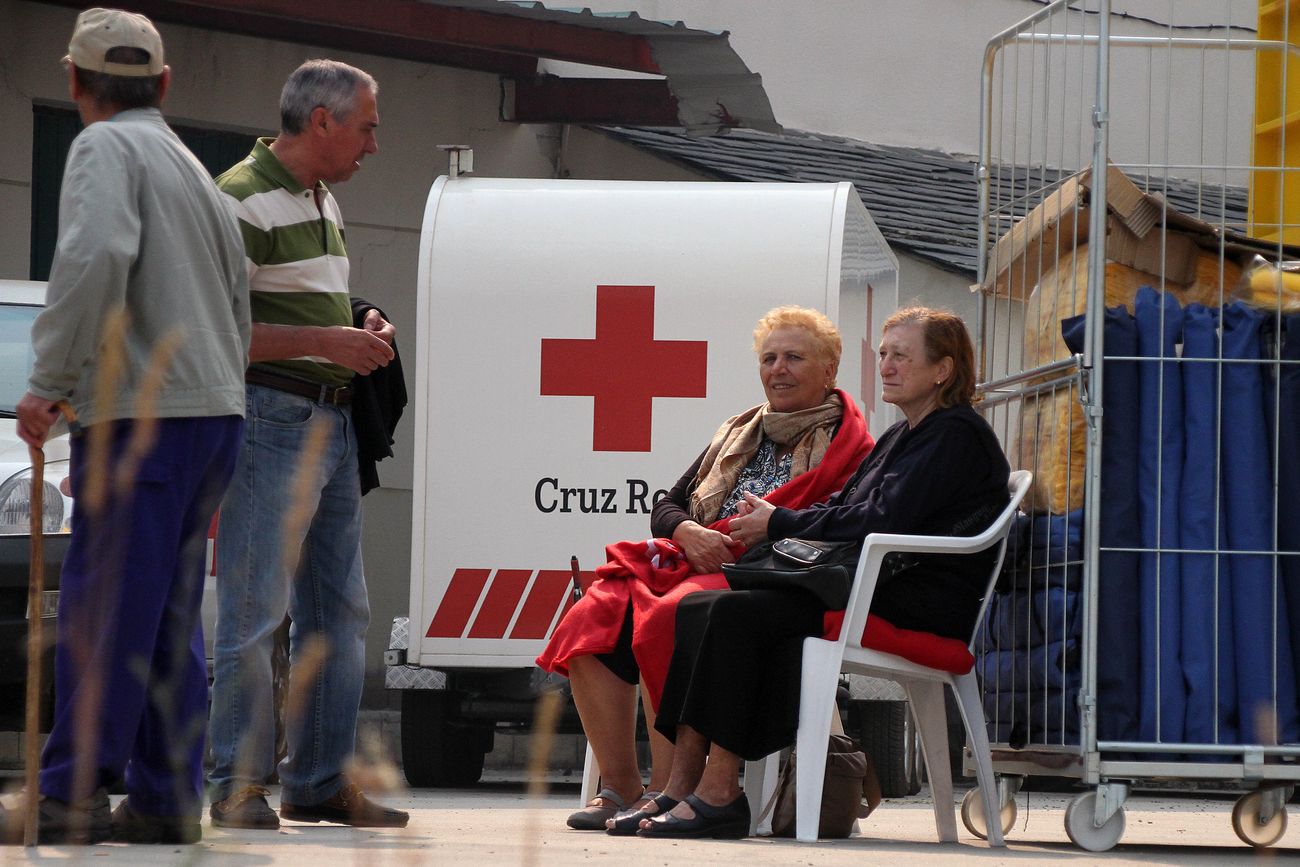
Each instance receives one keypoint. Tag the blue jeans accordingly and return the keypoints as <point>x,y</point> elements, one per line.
<point>130,651</point>
<point>289,541</point>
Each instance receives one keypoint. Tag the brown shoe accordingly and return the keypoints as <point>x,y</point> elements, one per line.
<point>246,808</point>
<point>132,827</point>
<point>347,806</point>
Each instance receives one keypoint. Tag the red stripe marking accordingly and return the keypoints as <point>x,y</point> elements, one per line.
<point>458,603</point>
<point>550,588</point>
<point>500,604</point>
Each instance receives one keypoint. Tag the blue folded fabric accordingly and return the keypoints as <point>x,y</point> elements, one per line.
<point>1033,718</point>
<point>1266,681</point>
<point>1288,450</point>
<point>1058,537</point>
<point>1030,618</point>
<point>1163,710</point>
<point>1049,666</point>
<point>1046,538</point>
<point>1208,664</point>
<point>1118,682</point>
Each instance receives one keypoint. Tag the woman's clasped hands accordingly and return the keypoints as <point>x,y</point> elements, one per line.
<point>749,527</point>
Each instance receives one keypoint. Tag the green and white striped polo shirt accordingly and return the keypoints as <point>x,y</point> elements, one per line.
<point>297,262</point>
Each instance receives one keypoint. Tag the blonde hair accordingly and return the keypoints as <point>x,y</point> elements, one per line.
<point>826,337</point>
<point>944,335</point>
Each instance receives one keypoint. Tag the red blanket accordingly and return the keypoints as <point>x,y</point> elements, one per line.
<point>654,575</point>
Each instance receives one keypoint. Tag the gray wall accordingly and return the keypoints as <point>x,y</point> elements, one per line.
<point>234,82</point>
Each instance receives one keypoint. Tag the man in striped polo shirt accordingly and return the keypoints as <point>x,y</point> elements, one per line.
<point>290,532</point>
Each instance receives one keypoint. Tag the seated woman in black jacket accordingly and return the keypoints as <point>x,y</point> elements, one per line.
<point>732,691</point>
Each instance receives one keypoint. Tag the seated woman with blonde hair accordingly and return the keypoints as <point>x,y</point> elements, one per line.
<point>732,691</point>
<point>794,450</point>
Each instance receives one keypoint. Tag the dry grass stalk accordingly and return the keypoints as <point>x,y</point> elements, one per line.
<point>99,436</point>
<point>144,433</point>
<point>312,654</point>
<point>304,501</point>
<point>545,719</point>
<point>371,767</point>
<point>315,649</point>
<point>94,499</point>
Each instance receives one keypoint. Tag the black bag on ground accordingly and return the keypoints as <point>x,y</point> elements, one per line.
<point>824,569</point>
<point>850,791</point>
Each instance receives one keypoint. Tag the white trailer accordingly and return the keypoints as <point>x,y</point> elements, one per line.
<point>579,343</point>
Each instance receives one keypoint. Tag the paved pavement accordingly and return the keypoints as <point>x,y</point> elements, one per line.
<point>498,823</point>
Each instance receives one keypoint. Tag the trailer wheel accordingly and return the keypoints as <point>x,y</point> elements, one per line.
<point>438,750</point>
<point>888,734</point>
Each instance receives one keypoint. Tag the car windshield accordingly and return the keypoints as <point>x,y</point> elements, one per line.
<point>16,354</point>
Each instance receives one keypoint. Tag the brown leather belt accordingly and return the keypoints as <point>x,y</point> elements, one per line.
<point>328,395</point>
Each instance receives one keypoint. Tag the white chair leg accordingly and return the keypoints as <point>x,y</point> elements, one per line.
<point>590,778</point>
<point>760,782</point>
<point>821,669</point>
<point>972,714</point>
<point>926,698</point>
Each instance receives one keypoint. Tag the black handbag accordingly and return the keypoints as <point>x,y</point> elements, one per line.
<point>824,569</point>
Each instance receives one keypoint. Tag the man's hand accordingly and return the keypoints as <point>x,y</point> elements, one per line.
<point>751,528</point>
<point>359,350</point>
<point>378,325</point>
<point>35,417</point>
<point>706,550</point>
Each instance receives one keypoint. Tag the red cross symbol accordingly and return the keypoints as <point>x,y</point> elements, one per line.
<point>624,368</point>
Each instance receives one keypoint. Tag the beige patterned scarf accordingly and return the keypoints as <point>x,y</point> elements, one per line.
<point>736,442</point>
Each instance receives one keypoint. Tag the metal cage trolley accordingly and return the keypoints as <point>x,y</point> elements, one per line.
<point>1139,334</point>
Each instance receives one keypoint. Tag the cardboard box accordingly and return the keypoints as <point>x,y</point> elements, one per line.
<point>1051,231</point>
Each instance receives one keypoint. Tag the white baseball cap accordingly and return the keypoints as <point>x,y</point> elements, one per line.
<point>99,30</point>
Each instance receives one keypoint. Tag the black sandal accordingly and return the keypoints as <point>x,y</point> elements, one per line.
<point>728,822</point>
<point>628,822</point>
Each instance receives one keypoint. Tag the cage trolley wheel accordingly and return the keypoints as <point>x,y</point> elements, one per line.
<point>972,814</point>
<point>1258,819</point>
<point>1081,826</point>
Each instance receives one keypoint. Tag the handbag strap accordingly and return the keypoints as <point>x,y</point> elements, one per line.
<point>786,768</point>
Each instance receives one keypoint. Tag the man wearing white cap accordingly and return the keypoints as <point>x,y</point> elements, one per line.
<point>146,334</point>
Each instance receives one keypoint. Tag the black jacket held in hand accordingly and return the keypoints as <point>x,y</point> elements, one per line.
<point>377,402</point>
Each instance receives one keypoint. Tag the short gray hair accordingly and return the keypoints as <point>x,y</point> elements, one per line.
<point>328,83</point>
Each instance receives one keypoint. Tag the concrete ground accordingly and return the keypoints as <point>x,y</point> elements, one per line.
<point>497,822</point>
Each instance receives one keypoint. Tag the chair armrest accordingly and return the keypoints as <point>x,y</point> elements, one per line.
<point>877,547</point>
<point>901,543</point>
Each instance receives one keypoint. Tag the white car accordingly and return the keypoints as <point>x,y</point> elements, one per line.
<point>20,301</point>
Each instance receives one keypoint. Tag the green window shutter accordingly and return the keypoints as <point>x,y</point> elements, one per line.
<point>54,129</point>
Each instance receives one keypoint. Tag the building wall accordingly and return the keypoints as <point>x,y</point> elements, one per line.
<point>234,82</point>
<point>907,72</point>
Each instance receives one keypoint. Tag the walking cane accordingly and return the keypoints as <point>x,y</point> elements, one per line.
<point>35,637</point>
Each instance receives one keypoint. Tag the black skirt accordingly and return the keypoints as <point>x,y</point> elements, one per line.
<point>737,658</point>
<point>735,670</point>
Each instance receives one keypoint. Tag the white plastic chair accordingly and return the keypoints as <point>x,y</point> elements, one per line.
<point>824,660</point>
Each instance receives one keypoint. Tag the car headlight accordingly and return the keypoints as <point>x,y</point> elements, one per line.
<point>16,502</point>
